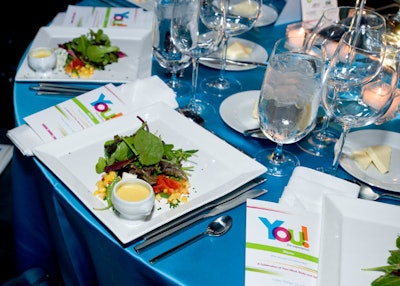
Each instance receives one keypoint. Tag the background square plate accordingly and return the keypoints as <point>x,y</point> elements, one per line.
<point>356,234</point>
<point>136,43</point>
<point>219,168</point>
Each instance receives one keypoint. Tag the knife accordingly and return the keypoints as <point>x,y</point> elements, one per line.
<point>239,63</point>
<point>243,188</point>
<point>227,205</point>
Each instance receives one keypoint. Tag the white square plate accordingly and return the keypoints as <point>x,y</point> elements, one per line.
<point>136,43</point>
<point>219,168</point>
<point>356,234</point>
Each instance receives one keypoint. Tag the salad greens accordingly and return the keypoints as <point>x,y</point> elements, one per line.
<point>94,49</point>
<point>145,155</point>
<point>391,275</point>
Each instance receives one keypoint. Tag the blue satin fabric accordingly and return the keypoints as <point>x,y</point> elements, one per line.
<point>54,231</point>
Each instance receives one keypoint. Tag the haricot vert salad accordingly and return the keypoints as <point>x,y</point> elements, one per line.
<point>147,156</point>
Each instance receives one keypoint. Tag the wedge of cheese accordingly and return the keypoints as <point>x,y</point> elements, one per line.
<point>238,50</point>
<point>362,158</point>
<point>380,156</point>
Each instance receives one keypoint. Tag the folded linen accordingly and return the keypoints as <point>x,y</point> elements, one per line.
<point>137,94</point>
<point>307,187</point>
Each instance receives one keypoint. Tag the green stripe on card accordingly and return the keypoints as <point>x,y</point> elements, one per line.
<point>283,251</point>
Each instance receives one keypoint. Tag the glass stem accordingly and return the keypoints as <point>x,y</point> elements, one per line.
<point>174,82</point>
<point>322,132</point>
<point>277,156</point>
<point>339,148</point>
<point>195,73</point>
<point>223,59</point>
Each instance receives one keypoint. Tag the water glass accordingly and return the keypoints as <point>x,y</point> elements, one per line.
<point>289,101</point>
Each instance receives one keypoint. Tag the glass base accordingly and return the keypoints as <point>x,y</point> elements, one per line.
<point>282,168</point>
<point>329,171</point>
<point>196,110</point>
<point>180,88</point>
<point>318,144</point>
<point>220,87</point>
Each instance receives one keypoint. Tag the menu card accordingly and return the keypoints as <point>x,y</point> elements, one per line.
<point>282,245</point>
<point>107,17</point>
<point>311,10</point>
<point>78,113</point>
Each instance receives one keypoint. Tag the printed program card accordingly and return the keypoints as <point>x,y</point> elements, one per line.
<point>78,113</point>
<point>282,245</point>
<point>311,10</point>
<point>107,17</point>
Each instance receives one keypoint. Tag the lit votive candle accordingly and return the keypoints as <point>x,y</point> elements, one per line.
<point>376,94</point>
<point>296,35</point>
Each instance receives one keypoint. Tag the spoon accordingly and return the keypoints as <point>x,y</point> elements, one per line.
<point>367,193</point>
<point>217,227</point>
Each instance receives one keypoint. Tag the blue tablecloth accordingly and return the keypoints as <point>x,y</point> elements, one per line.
<point>55,231</point>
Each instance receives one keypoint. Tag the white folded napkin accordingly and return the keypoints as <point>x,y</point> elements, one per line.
<point>140,92</point>
<point>306,189</point>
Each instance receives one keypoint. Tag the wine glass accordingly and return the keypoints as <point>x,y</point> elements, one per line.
<point>357,87</point>
<point>164,51</point>
<point>241,16</point>
<point>289,101</point>
<point>194,39</point>
<point>333,23</point>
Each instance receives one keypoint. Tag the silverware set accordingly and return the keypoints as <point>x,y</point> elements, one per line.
<point>233,199</point>
<point>59,89</point>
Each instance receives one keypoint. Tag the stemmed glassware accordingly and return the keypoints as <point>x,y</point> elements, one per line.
<point>194,39</point>
<point>289,101</point>
<point>333,23</point>
<point>241,16</point>
<point>164,51</point>
<point>357,87</point>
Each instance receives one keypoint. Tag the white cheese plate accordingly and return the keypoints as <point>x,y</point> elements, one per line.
<point>218,168</point>
<point>135,43</point>
<point>258,54</point>
<point>237,109</point>
<point>364,138</point>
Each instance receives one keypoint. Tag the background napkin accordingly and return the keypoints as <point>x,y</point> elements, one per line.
<point>140,93</point>
<point>306,189</point>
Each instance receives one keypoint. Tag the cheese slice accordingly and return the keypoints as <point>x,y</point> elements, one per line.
<point>238,50</point>
<point>380,156</point>
<point>362,158</point>
<point>254,112</point>
<point>245,9</point>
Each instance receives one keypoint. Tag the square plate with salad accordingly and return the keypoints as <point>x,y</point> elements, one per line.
<point>135,44</point>
<point>217,168</point>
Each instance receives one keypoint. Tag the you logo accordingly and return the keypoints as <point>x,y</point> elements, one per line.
<point>102,105</point>
<point>119,18</point>
<point>277,232</point>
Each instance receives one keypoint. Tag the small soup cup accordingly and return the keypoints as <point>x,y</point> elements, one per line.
<point>42,59</point>
<point>133,198</point>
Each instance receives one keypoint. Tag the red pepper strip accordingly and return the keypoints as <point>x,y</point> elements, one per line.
<point>164,183</point>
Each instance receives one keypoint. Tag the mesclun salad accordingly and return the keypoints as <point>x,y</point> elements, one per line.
<point>145,155</point>
<point>83,55</point>
<point>392,271</point>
